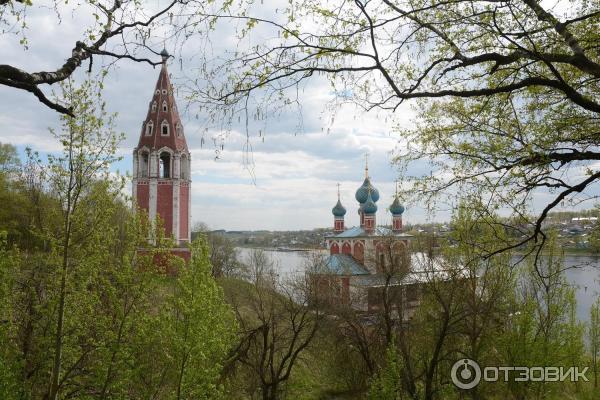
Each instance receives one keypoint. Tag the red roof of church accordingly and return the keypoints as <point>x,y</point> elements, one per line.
<point>163,92</point>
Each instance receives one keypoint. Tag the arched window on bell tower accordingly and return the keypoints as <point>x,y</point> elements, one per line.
<point>149,128</point>
<point>164,128</point>
<point>153,106</point>
<point>164,165</point>
<point>164,106</point>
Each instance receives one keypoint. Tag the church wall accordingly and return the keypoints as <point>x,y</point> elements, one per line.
<point>164,205</point>
<point>142,195</point>
<point>183,211</point>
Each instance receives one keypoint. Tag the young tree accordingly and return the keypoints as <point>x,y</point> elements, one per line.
<point>223,254</point>
<point>386,385</point>
<point>8,158</point>
<point>9,364</point>
<point>200,328</point>
<point>542,329</point>
<point>89,145</point>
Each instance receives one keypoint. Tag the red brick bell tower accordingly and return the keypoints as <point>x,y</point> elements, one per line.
<point>161,164</point>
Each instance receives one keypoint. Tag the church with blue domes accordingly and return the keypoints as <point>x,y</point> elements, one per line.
<point>359,257</point>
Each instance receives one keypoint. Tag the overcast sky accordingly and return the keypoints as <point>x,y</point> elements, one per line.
<point>292,183</point>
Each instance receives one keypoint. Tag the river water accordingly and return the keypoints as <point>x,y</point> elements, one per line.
<point>582,272</point>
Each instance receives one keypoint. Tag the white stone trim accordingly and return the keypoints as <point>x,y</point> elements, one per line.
<point>134,184</point>
<point>176,210</point>
<point>136,162</point>
<point>176,165</point>
<point>165,149</point>
<point>152,199</point>
<point>189,211</point>
<point>153,160</point>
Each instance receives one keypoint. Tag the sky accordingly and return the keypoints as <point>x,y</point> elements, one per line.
<point>291,183</point>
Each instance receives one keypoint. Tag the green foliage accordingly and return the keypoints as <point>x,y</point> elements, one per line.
<point>386,384</point>
<point>223,254</point>
<point>9,362</point>
<point>542,329</point>
<point>594,236</point>
<point>9,160</point>
<point>200,325</point>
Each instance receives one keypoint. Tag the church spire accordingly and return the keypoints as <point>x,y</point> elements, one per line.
<point>162,126</point>
<point>165,56</point>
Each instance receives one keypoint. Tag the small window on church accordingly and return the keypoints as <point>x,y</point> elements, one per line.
<point>164,165</point>
<point>179,130</point>
<point>153,106</point>
<point>157,92</point>
<point>164,129</point>
<point>164,106</point>
<point>149,128</point>
<point>164,91</point>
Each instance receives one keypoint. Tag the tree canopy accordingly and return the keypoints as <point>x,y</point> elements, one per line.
<point>506,92</point>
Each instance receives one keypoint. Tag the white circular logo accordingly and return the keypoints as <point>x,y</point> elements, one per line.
<point>465,374</point>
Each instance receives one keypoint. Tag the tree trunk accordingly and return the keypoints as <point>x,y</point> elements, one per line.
<point>54,378</point>
<point>58,342</point>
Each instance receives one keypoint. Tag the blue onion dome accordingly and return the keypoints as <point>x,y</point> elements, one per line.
<point>369,207</point>
<point>396,208</point>
<point>363,192</point>
<point>338,210</point>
